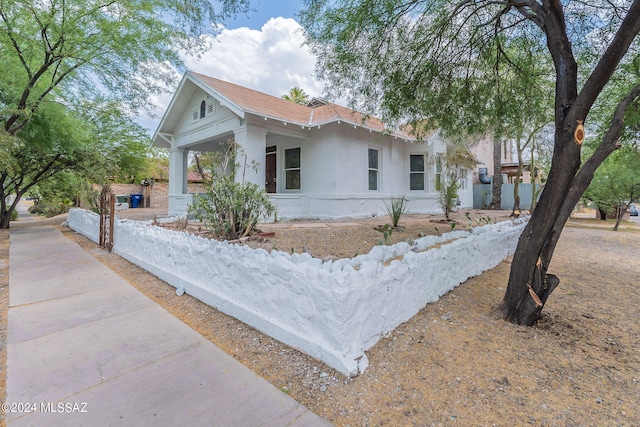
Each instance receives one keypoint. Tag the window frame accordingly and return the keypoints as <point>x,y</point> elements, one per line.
<point>203,109</point>
<point>462,179</point>
<point>375,169</point>
<point>297,168</point>
<point>422,172</point>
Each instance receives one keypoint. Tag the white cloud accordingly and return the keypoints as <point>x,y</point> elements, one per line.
<point>271,60</point>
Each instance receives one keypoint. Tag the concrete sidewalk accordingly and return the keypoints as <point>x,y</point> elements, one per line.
<point>85,348</point>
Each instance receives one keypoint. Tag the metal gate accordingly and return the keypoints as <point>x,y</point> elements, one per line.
<point>107,208</point>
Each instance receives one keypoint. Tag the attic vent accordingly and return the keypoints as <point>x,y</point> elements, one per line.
<point>316,102</point>
<point>210,108</point>
<point>195,115</point>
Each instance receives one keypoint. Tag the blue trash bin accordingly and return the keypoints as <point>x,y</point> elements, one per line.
<point>136,199</point>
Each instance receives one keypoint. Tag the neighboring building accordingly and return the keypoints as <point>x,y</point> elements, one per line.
<point>483,152</point>
<point>511,170</point>
<point>321,160</point>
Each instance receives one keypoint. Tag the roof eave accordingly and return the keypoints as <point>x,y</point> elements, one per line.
<point>156,133</point>
<point>391,133</point>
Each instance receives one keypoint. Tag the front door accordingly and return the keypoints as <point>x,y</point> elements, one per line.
<point>270,166</point>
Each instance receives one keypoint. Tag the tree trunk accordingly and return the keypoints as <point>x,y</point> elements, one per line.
<point>603,214</point>
<point>496,184</point>
<point>515,212</point>
<point>620,211</point>
<point>534,193</point>
<point>529,284</point>
<point>5,219</point>
<point>198,166</point>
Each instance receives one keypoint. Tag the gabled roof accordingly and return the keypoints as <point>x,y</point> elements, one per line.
<point>241,100</point>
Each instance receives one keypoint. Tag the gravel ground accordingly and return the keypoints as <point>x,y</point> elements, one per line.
<point>455,363</point>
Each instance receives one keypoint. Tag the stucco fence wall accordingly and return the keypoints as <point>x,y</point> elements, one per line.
<point>333,311</point>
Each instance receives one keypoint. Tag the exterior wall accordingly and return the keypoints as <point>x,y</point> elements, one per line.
<point>333,311</point>
<point>482,196</point>
<point>334,163</point>
<point>483,152</point>
<point>334,175</point>
<point>159,192</point>
<point>189,132</point>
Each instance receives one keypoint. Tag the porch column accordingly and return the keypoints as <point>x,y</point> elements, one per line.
<point>179,199</point>
<point>253,142</point>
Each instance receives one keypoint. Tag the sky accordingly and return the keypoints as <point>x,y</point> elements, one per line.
<point>262,51</point>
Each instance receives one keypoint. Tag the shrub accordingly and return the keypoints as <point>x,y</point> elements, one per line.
<point>396,206</point>
<point>51,208</point>
<point>231,209</point>
<point>448,195</point>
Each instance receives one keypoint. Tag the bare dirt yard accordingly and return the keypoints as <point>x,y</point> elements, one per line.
<point>455,362</point>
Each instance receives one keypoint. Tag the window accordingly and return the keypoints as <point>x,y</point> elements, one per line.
<point>292,169</point>
<point>373,169</point>
<point>203,109</point>
<point>462,179</point>
<point>416,175</point>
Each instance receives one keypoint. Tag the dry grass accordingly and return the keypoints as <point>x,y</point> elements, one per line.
<point>455,363</point>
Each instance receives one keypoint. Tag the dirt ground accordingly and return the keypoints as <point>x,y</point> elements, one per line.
<point>455,363</point>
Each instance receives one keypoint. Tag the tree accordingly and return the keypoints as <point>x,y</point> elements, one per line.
<point>74,50</point>
<point>496,181</point>
<point>520,147</point>
<point>126,153</point>
<point>56,195</point>
<point>616,183</point>
<point>69,53</point>
<point>297,95</point>
<point>423,60</point>
<point>453,164</point>
<point>52,142</point>
<point>62,152</point>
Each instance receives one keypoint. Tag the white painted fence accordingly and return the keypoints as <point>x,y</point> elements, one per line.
<point>333,311</point>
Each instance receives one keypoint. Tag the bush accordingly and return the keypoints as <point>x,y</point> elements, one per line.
<point>51,208</point>
<point>231,209</point>
<point>448,195</point>
<point>396,206</point>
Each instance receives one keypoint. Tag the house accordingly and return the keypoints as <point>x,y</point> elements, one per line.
<point>483,152</point>
<point>319,160</point>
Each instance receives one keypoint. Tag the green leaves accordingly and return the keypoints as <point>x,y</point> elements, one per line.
<point>296,95</point>
<point>465,67</point>
<point>617,180</point>
<point>231,209</point>
<point>75,50</point>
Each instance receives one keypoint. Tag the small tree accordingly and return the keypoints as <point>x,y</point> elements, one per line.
<point>453,164</point>
<point>448,193</point>
<point>616,183</point>
<point>231,209</point>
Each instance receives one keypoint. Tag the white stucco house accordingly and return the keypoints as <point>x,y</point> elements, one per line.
<point>321,160</point>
